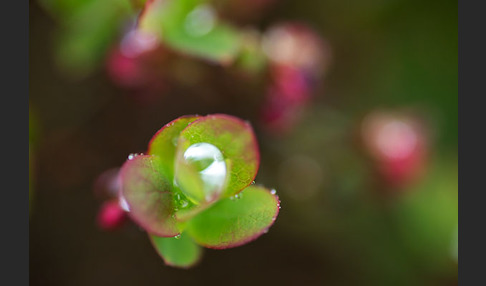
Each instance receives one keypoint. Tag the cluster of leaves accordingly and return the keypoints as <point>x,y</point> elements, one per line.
<point>195,187</point>
<point>153,37</point>
<point>88,28</point>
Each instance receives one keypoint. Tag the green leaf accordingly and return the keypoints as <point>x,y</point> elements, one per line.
<point>236,141</point>
<point>178,252</point>
<point>87,29</point>
<point>232,222</point>
<point>63,9</point>
<point>163,143</point>
<point>149,196</point>
<point>192,27</point>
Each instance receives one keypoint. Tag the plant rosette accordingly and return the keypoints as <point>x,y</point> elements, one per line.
<point>194,188</point>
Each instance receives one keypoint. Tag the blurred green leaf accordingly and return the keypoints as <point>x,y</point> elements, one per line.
<point>63,9</point>
<point>235,221</point>
<point>178,251</point>
<point>87,28</point>
<point>427,216</point>
<point>192,27</point>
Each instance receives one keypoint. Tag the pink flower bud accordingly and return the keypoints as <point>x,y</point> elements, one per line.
<point>111,216</point>
<point>397,144</point>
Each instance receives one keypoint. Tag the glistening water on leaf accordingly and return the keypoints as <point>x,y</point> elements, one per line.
<point>193,189</point>
<point>201,172</point>
<point>236,141</point>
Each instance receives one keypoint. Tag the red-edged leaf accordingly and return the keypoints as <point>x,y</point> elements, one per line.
<point>148,194</point>
<point>232,222</point>
<point>164,142</point>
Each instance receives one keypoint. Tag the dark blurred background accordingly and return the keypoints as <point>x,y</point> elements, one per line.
<point>348,217</point>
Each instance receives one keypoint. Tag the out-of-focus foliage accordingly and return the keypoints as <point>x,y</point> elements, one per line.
<point>191,26</point>
<point>88,28</point>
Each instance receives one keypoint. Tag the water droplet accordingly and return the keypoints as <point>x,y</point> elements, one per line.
<point>133,155</point>
<point>209,162</point>
<point>273,191</point>
<point>265,231</point>
<point>177,236</point>
<point>253,182</point>
<point>236,197</point>
<point>184,203</point>
<point>123,203</point>
<point>200,21</point>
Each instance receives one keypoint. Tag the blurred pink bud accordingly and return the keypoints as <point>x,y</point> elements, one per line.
<point>124,71</point>
<point>280,113</point>
<point>291,84</point>
<point>111,215</point>
<point>298,46</point>
<point>397,143</point>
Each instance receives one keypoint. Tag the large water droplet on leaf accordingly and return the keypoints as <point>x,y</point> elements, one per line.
<point>203,172</point>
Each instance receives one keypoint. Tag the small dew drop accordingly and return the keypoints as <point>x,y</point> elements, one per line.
<point>184,203</point>
<point>253,182</point>
<point>236,197</point>
<point>177,236</point>
<point>265,231</point>
<point>123,204</point>
<point>273,192</point>
<point>133,155</point>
